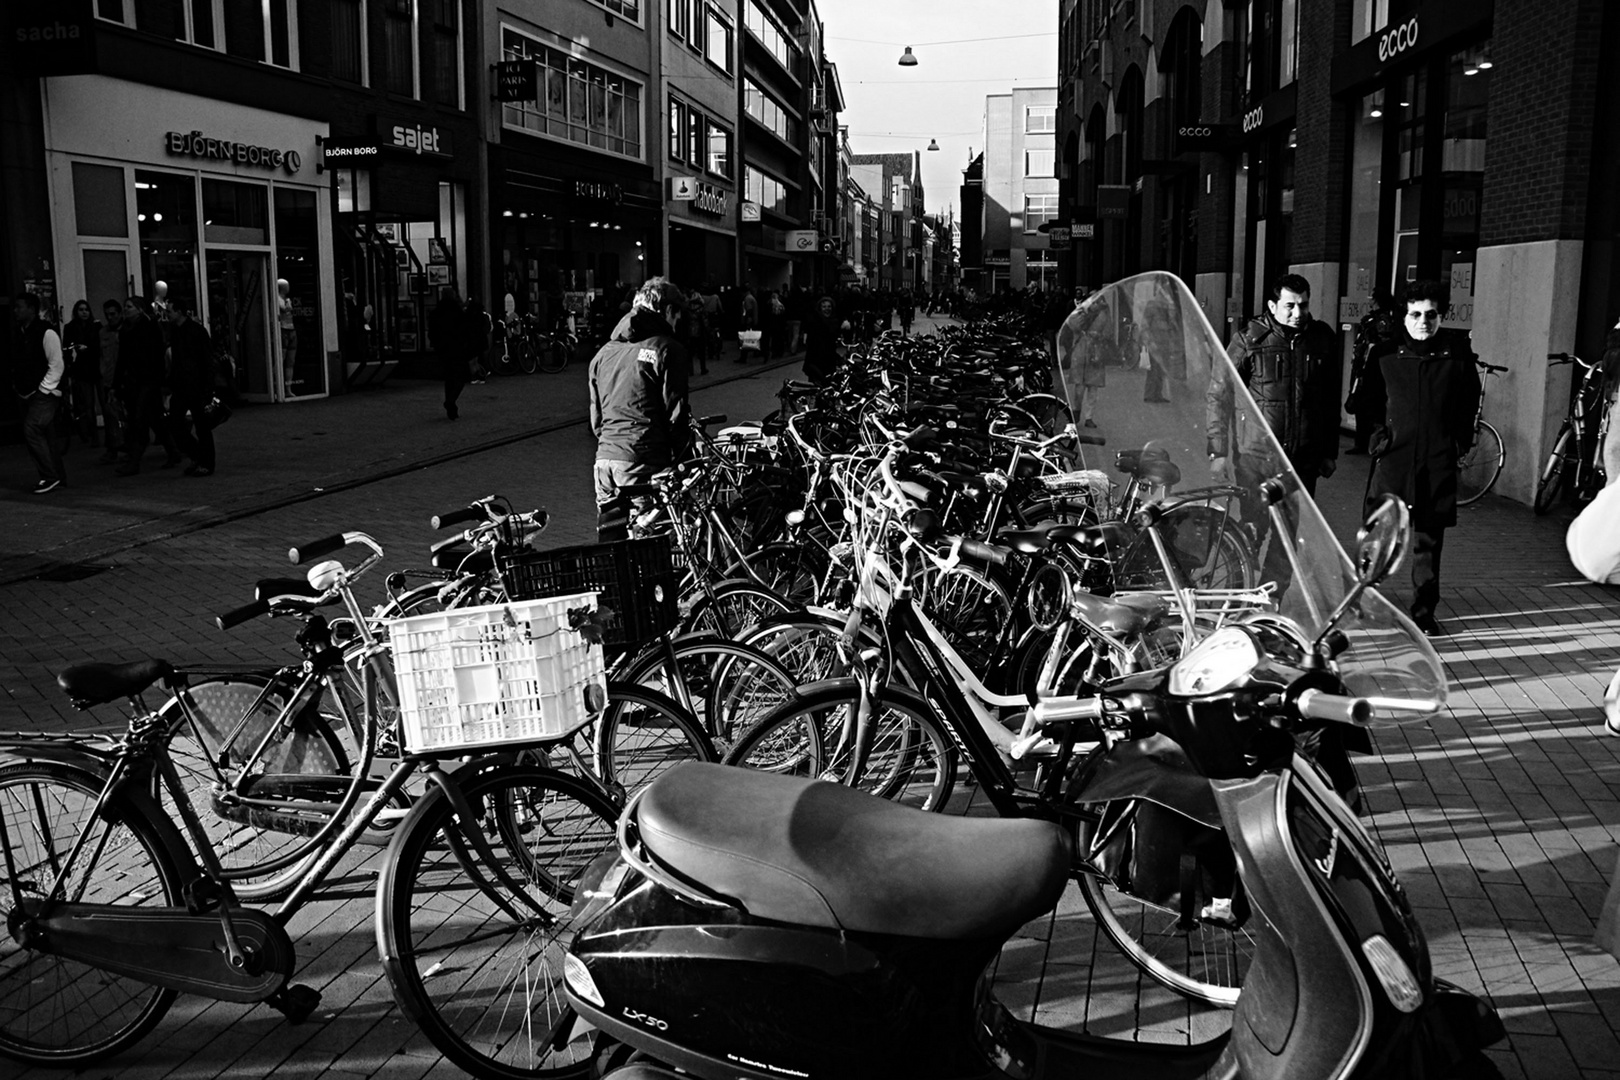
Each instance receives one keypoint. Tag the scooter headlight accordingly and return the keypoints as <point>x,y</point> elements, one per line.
<point>1393,974</point>
<point>1217,662</point>
<point>580,982</point>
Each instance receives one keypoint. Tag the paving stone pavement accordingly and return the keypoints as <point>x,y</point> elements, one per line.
<point>1502,816</point>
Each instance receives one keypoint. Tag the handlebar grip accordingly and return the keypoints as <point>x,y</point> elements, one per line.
<point>1339,708</point>
<point>242,614</point>
<point>710,421</point>
<point>447,542</point>
<point>315,549</point>
<point>976,549</point>
<point>457,517</point>
<point>1060,710</point>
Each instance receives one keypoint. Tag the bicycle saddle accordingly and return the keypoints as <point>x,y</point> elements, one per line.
<point>1097,541</point>
<point>1128,461</point>
<point>457,558</point>
<point>1028,541</point>
<point>1121,615</point>
<point>97,684</point>
<point>814,853</point>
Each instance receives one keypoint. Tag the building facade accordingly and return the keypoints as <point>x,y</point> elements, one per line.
<point>1362,144</point>
<point>702,107</point>
<point>1020,190</point>
<point>894,184</point>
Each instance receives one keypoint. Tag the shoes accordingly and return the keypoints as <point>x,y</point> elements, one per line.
<point>171,461</point>
<point>1426,622</point>
<point>199,470</point>
<point>451,411</point>
<point>479,382</point>
<point>128,468</point>
<point>1090,422</point>
<point>46,485</point>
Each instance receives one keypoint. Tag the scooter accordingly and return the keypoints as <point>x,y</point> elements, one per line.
<point>760,926</point>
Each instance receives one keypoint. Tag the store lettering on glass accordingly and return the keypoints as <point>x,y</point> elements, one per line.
<point>709,200</point>
<point>596,191</point>
<point>1398,40</point>
<point>196,145</point>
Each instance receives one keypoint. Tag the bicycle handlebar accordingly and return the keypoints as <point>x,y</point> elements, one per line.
<point>475,512</point>
<point>316,548</point>
<point>976,549</point>
<point>245,613</point>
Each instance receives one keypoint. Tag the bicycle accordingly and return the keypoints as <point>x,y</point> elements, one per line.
<point>1580,439</point>
<point>111,916</point>
<point>1479,467</point>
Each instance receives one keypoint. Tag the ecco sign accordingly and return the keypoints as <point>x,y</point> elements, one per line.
<point>1397,41</point>
<point>1195,132</point>
<point>1254,118</point>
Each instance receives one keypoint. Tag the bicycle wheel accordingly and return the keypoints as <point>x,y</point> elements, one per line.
<point>970,607</point>
<point>554,357</point>
<point>1204,961</point>
<point>1552,473</point>
<point>307,748</point>
<point>1050,411</point>
<point>505,362</point>
<point>912,760</point>
<point>641,734</point>
<point>1231,563</point>
<point>528,357</point>
<point>725,685</point>
<point>1478,469</point>
<point>483,985</point>
<point>794,571</point>
<point>60,1012</point>
<point>730,608</point>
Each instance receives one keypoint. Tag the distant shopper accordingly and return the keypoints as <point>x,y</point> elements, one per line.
<point>139,382</point>
<point>1430,398</point>
<point>823,349</point>
<point>112,411</point>
<point>1378,328</point>
<point>81,344</point>
<point>448,336</point>
<point>477,328</point>
<point>638,408</point>
<point>36,377</point>
<point>907,310</point>
<point>191,385</point>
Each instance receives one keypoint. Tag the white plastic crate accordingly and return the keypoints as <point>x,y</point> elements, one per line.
<point>495,675</point>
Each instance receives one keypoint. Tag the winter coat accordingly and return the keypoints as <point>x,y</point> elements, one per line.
<point>191,373</point>
<point>83,364</point>
<point>1431,398</point>
<point>1293,376</point>
<point>1375,334</point>
<point>140,355</point>
<point>638,402</point>
<point>821,345</point>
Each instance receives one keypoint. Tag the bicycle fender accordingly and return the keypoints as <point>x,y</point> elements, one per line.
<point>1155,769</point>
<point>79,754</point>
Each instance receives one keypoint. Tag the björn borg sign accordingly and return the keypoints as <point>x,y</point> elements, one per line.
<point>1398,40</point>
<point>180,144</point>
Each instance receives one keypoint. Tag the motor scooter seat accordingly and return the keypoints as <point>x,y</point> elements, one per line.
<point>1097,541</point>
<point>97,684</point>
<point>1122,615</point>
<point>814,853</point>
<point>1026,541</point>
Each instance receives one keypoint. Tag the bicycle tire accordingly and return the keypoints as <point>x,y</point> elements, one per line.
<point>794,571</point>
<point>730,608</point>
<point>141,863</point>
<point>1150,936</point>
<point>486,989</point>
<point>505,363</point>
<point>641,734</point>
<point>1552,474</point>
<point>555,356</point>
<point>970,606</point>
<point>528,360</point>
<point>725,685</point>
<point>1478,469</point>
<point>1052,411</point>
<point>912,760</point>
<point>309,748</point>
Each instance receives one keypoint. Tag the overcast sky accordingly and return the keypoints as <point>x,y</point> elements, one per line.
<point>890,108</point>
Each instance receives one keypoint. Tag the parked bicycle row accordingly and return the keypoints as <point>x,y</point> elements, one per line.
<point>920,578</point>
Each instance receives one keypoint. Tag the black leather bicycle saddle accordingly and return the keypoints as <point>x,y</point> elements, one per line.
<point>477,562</point>
<point>97,684</point>
<point>821,854</point>
<point>1121,615</point>
<point>1097,541</point>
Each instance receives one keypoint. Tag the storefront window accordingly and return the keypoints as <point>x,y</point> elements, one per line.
<point>1366,169</point>
<point>166,217</point>
<point>235,213</point>
<point>99,206</point>
<point>298,292</point>
<point>1410,113</point>
<point>1462,168</point>
<point>353,190</point>
<point>581,102</point>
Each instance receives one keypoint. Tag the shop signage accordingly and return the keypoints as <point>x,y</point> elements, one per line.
<point>1430,26</point>
<point>1254,118</point>
<point>517,80</point>
<point>1276,108</point>
<point>709,200</point>
<point>55,37</point>
<point>1058,235</point>
<point>348,153</point>
<point>1083,231</point>
<point>1113,200</point>
<point>597,191</point>
<point>1193,138</point>
<point>801,240</point>
<point>416,139</point>
<point>1394,42</point>
<point>683,188</point>
<point>196,145</point>
<point>750,211</point>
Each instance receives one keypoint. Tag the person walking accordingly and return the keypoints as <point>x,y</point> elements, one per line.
<point>638,408</point>
<point>476,327</point>
<point>747,319</point>
<point>36,377</point>
<point>191,385</point>
<point>112,411</point>
<point>81,343</point>
<point>138,382</point>
<point>1374,333</point>
<point>1431,393</point>
<point>446,329</point>
<point>823,351</point>
<point>1080,345</point>
<point>697,331</point>
<point>907,310</point>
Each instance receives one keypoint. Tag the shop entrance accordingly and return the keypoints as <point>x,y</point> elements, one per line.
<point>239,316</point>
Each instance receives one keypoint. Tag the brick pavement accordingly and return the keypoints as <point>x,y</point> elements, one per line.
<point>1502,816</point>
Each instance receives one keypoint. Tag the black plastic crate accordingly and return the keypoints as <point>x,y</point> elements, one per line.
<point>636,578</point>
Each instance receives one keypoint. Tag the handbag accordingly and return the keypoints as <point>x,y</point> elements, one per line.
<point>215,413</point>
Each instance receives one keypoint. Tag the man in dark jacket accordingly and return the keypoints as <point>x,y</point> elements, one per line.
<point>1430,400</point>
<point>639,413</point>
<point>191,382</point>
<point>448,330</point>
<point>1374,334</point>
<point>138,380</point>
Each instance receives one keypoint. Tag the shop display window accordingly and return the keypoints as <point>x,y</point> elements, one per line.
<point>582,102</point>
<point>298,301</point>
<point>166,217</point>
<point>235,213</point>
<point>99,204</point>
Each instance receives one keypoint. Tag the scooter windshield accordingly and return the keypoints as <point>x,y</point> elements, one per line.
<point>1205,439</point>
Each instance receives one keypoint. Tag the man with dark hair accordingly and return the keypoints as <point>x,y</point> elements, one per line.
<point>1431,394</point>
<point>191,382</point>
<point>36,377</point>
<point>639,412</point>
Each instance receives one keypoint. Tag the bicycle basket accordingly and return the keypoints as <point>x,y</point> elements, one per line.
<point>636,578</point>
<point>497,675</point>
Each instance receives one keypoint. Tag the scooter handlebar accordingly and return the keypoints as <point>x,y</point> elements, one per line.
<point>1062,710</point>
<point>1339,708</point>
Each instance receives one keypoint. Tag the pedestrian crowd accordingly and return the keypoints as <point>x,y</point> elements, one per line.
<point>146,371</point>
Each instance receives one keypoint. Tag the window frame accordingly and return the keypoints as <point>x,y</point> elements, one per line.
<point>1051,154</point>
<point>1049,211</point>
<point>461,59</point>
<point>365,44</point>
<point>711,16</point>
<point>416,49</point>
<point>566,48</point>
<point>616,9</point>
<point>1029,117</point>
<point>676,13</point>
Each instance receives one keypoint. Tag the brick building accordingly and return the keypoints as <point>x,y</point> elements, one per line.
<point>1361,143</point>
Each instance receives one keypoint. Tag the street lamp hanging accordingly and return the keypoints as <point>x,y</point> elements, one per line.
<point>933,144</point>
<point>906,59</point>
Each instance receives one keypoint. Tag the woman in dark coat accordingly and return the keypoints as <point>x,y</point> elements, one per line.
<point>822,349</point>
<point>448,332</point>
<point>1431,396</point>
<point>81,340</point>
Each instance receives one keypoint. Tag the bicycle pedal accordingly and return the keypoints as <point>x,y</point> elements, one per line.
<point>295,1001</point>
<point>203,895</point>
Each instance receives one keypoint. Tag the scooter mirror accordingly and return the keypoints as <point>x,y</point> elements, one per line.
<point>1382,540</point>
